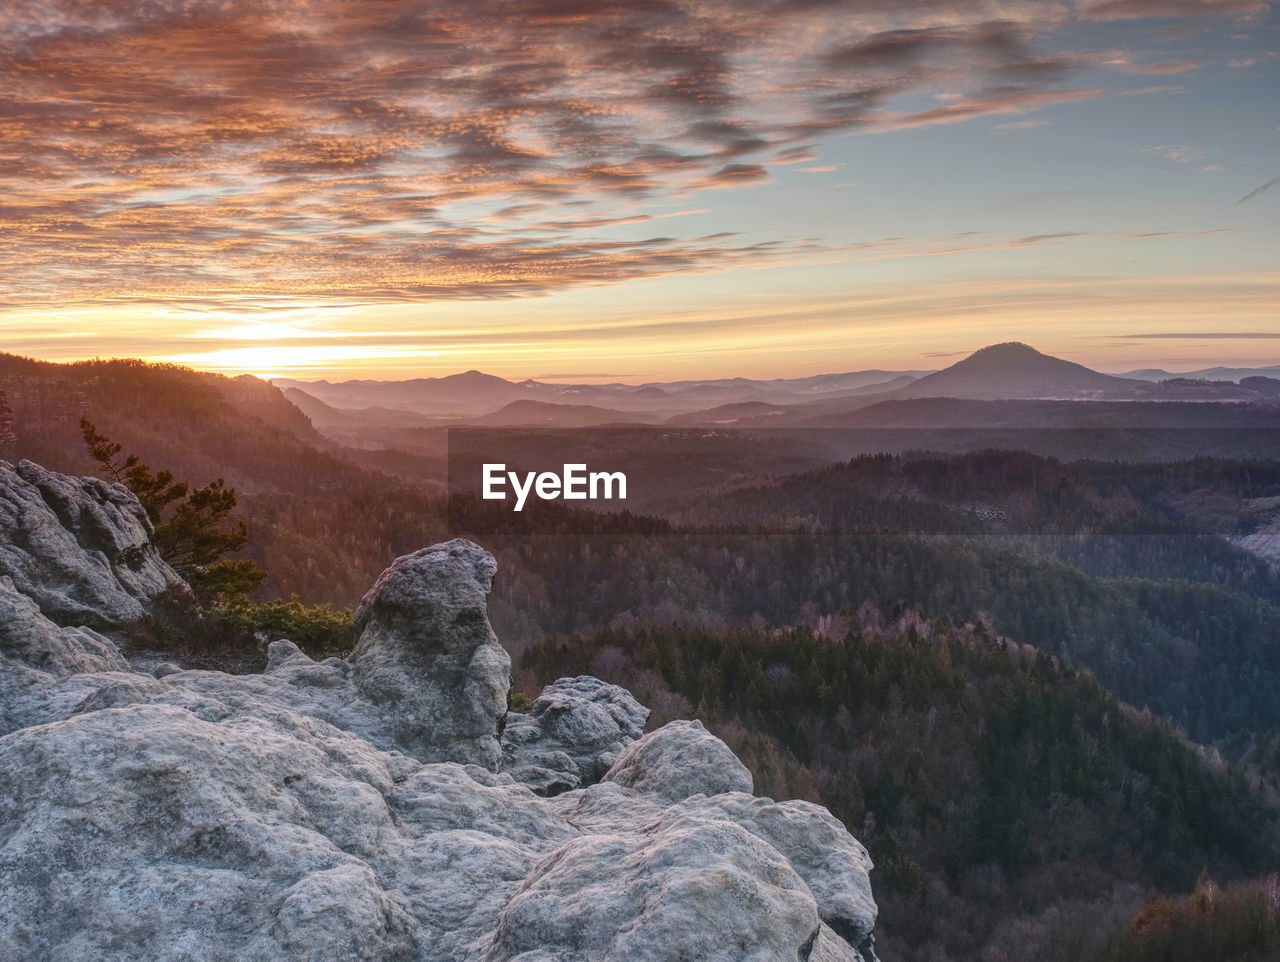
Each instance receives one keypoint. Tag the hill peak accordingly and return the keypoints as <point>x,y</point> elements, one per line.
<point>1007,349</point>
<point>1015,370</point>
<point>474,376</point>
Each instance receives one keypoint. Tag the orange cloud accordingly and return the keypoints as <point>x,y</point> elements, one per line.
<point>355,149</point>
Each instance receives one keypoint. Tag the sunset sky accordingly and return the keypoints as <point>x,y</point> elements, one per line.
<point>635,190</point>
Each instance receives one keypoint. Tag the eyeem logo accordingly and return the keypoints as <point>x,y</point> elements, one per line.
<point>573,484</point>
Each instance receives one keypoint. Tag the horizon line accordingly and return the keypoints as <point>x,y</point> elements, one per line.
<point>601,380</point>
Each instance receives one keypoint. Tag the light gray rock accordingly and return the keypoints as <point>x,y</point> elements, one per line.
<point>573,734</point>
<point>29,697</point>
<point>833,864</point>
<point>44,669</point>
<point>79,547</point>
<point>28,637</point>
<point>349,809</point>
<point>148,832</point>
<point>678,760</point>
<point>394,713</point>
<point>816,844</point>
<point>829,947</point>
<point>130,689</point>
<point>661,894</point>
<point>428,678</point>
<point>279,654</point>
<point>426,652</point>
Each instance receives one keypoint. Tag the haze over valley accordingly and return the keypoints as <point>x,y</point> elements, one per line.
<point>999,372</point>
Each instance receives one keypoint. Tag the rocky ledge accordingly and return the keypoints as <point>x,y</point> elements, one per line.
<point>382,807</point>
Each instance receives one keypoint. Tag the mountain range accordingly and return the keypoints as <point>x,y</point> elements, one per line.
<point>259,435</point>
<point>1010,371</point>
<point>1208,373</point>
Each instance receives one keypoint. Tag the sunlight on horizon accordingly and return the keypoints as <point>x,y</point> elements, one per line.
<point>634,334</point>
<point>892,189</point>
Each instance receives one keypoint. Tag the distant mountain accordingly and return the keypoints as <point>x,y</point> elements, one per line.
<point>1266,386</point>
<point>1208,373</point>
<point>466,395</point>
<point>1198,389</point>
<point>854,380</point>
<point>786,390</point>
<point>1000,373</point>
<point>1120,430</point>
<point>1016,370</point>
<point>1035,413</point>
<point>881,386</point>
<point>474,393</point>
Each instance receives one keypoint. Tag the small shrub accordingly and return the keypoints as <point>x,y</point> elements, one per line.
<point>320,631</point>
<point>518,701</point>
<point>197,638</point>
<point>234,637</point>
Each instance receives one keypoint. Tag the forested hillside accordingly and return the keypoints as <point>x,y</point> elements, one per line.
<point>200,426</point>
<point>1239,921</point>
<point>1010,803</point>
<point>323,520</point>
<point>1202,654</point>
<point>1015,803</point>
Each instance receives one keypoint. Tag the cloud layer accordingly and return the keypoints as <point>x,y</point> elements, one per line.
<point>382,149</point>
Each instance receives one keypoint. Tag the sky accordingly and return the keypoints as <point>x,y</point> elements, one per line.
<point>638,190</point>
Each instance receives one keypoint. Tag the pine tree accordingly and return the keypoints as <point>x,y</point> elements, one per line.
<point>193,537</point>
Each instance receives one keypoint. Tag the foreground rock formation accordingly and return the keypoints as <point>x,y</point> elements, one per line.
<point>79,547</point>
<point>383,807</point>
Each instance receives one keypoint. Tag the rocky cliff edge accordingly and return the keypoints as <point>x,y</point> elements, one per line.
<point>381,807</point>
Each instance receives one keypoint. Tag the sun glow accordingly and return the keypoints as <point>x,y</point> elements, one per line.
<point>282,360</point>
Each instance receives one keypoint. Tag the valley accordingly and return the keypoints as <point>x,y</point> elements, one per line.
<point>1024,647</point>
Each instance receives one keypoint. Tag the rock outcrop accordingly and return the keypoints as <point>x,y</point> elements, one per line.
<point>158,832</point>
<point>573,734</point>
<point>426,652</point>
<point>29,638</point>
<point>46,670</point>
<point>375,807</point>
<point>687,760</point>
<point>79,547</point>
<point>75,557</point>
<point>427,677</point>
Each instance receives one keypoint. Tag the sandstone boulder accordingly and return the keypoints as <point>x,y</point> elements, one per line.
<point>253,832</point>
<point>679,760</point>
<point>45,670</point>
<point>425,651</point>
<point>29,638</point>
<point>572,735</point>
<point>372,807</point>
<point>79,547</point>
